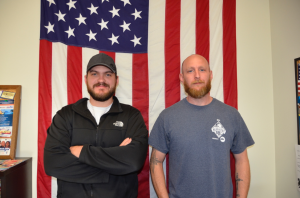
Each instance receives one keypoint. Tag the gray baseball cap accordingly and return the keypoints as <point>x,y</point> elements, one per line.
<point>104,60</point>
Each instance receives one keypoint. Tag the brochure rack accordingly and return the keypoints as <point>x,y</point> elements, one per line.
<point>10,97</point>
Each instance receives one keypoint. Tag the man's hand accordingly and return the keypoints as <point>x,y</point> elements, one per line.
<point>126,141</point>
<point>75,150</point>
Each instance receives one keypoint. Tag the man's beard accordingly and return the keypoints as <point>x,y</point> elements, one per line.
<point>195,93</point>
<point>101,97</point>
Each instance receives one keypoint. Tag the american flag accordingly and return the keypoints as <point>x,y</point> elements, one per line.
<point>148,41</point>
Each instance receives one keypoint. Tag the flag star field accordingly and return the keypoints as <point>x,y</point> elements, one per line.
<point>117,26</point>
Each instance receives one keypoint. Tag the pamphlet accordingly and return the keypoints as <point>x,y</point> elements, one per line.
<point>5,146</point>
<point>6,117</point>
<point>7,95</point>
<point>6,164</point>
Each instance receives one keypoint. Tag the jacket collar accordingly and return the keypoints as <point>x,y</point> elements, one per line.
<point>81,107</point>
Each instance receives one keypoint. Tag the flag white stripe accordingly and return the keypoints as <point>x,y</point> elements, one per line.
<point>53,187</point>
<point>59,88</point>
<point>187,33</point>
<point>59,74</point>
<point>124,70</point>
<point>156,66</point>
<point>216,47</point>
<point>156,60</point>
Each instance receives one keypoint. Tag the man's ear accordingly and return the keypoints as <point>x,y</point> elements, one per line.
<point>85,76</point>
<point>117,80</point>
<point>181,77</point>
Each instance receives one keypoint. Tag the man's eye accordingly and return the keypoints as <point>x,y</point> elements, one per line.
<point>108,74</point>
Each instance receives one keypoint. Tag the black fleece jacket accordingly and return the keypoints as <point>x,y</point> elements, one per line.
<point>103,169</point>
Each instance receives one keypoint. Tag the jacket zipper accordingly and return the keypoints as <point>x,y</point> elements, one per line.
<point>98,127</point>
<point>97,135</point>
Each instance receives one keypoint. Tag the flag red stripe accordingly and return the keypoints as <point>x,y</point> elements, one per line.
<point>172,59</point>
<point>202,28</point>
<point>229,66</point>
<point>74,73</point>
<point>44,120</point>
<point>172,52</point>
<point>140,84</point>
<point>140,95</point>
<point>229,53</point>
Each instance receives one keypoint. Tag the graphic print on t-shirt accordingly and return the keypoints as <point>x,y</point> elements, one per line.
<point>219,130</point>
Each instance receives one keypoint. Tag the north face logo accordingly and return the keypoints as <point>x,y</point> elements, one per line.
<point>118,124</point>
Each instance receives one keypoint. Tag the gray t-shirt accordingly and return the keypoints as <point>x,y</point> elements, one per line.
<point>198,140</point>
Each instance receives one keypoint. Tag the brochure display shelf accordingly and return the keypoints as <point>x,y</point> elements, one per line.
<point>16,181</point>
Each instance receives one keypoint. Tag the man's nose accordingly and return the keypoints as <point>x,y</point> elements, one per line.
<point>101,78</point>
<point>197,74</point>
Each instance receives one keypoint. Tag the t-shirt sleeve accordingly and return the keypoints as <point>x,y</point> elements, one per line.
<point>159,138</point>
<point>242,138</point>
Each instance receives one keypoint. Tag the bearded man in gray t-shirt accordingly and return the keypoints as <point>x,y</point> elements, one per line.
<point>198,133</point>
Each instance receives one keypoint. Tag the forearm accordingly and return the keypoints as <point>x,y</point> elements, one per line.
<point>65,166</point>
<point>119,160</point>
<point>157,175</point>
<point>110,162</point>
<point>242,178</point>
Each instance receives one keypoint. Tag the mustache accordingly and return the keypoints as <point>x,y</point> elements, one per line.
<point>100,84</point>
<point>198,81</point>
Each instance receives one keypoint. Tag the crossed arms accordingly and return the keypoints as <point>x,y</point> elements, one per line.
<point>93,164</point>
<point>76,150</point>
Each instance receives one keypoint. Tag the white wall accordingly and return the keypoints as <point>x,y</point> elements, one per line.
<point>255,92</point>
<point>285,28</point>
<point>265,84</point>
<point>19,64</point>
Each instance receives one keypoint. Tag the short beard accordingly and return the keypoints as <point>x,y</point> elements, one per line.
<point>101,97</point>
<point>194,93</point>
